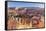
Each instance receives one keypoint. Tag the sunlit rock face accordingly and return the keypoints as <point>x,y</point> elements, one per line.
<point>23,18</point>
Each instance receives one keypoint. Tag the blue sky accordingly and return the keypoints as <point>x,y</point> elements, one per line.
<point>21,4</point>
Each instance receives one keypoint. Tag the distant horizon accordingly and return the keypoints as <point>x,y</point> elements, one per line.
<point>25,7</point>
